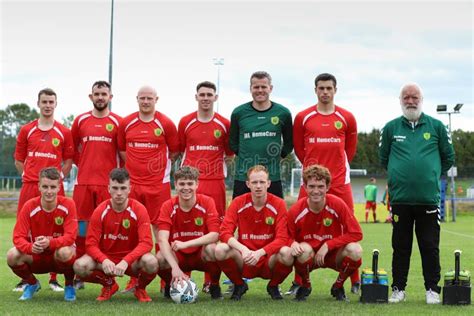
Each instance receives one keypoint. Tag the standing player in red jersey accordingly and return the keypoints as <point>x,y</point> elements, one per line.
<point>324,234</point>
<point>261,220</point>
<point>44,235</point>
<point>42,143</point>
<point>326,134</point>
<point>96,153</point>
<point>204,140</point>
<point>148,142</point>
<point>188,231</point>
<point>118,242</point>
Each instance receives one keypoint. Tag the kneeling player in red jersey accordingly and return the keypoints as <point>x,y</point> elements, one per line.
<point>188,227</point>
<point>261,220</point>
<point>324,232</point>
<point>118,242</point>
<point>44,236</point>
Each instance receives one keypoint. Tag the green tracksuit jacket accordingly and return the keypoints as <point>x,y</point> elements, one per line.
<point>415,155</point>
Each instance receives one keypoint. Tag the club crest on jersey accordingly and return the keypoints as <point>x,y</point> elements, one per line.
<point>217,133</point>
<point>58,220</point>
<point>158,131</point>
<point>275,120</point>
<point>395,218</point>
<point>338,124</point>
<point>198,221</point>
<point>109,127</point>
<point>126,223</point>
<point>426,136</point>
<point>55,142</point>
<point>327,222</point>
<point>269,220</point>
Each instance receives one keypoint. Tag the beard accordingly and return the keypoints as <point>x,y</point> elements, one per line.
<point>411,114</point>
<point>100,107</point>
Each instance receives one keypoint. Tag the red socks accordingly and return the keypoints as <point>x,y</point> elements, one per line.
<point>165,275</point>
<point>279,273</point>
<point>24,272</point>
<point>303,270</point>
<point>231,269</point>
<point>348,267</point>
<point>213,273</point>
<point>67,270</point>
<point>99,277</point>
<point>144,278</point>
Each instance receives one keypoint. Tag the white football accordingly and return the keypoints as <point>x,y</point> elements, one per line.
<point>185,292</point>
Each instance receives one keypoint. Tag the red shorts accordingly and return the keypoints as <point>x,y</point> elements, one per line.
<point>329,260</point>
<point>216,190</point>
<point>129,270</point>
<point>44,263</point>
<point>343,192</point>
<point>261,269</point>
<point>371,205</point>
<point>191,261</point>
<point>30,190</point>
<point>87,198</point>
<point>152,197</point>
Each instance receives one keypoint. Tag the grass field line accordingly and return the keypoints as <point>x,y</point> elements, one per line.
<point>458,234</point>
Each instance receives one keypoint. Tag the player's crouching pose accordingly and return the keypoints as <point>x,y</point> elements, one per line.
<point>261,220</point>
<point>44,236</point>
<point>188,231</point>
<point>118,242</point>
<point>325,234</point>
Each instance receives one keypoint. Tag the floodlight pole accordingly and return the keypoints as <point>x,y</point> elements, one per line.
<point>218,62</point>
<point>111,47</point>
<point>453,189</point>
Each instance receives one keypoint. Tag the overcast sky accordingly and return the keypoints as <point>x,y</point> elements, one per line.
<point>371,47</point>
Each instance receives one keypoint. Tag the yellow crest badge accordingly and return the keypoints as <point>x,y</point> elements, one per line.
<point>338,124</point>
<point>59,220</point>
<point>198,221</point>
<point>55,142</point>
<point>217,133</point>
<point>426,136</point>
<point>158,131</point>
<point>275,120</point>
<point>395,218</point>
<point>109,127</point>
<point>327,222</point>
<point>269,220</point>
<point>126,223</point>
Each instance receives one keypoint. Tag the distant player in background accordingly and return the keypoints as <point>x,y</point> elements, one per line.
<point>44,235</point>
<point>370,195</point>
<point>260,219</point>
<point>118,242</point>
<point>188,231</point>
<point>204,140</point>
<point>96,154</point>
<point>42,143</point>
<point>148,142</point>
<point>324,234</point>
<point>386,201</point>
<point>326,134</point>
<point>260,134</point>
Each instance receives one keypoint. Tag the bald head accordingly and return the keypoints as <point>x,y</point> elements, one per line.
<point>147,98</point>
<point>411,101</point>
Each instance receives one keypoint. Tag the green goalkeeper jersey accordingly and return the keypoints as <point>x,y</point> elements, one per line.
<point>260,138</point>
<point>370,192</point>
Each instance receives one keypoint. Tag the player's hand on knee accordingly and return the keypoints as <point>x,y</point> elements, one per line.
<point>120,268</point>
<point>108,267</point>
<point>296,249</point>
<point>321,254</point>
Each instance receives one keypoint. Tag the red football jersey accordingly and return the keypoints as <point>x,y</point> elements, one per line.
<point>326,139</point>
<point>59,225</point>
<point>205,145</point>
<point>122,235</point>
<point>95,144</point>
<point>265,229</point>
<point>195,223</point>
<point>39,149</point>
<point>148,146</point>
<point>335,224</point>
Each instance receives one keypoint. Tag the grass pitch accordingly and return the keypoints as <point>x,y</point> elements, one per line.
<point>459,235</point>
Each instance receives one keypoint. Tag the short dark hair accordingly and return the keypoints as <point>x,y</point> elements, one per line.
<point>206,84</point>
<point>317,172</point>
<point>186,173</point>
<point>51,173</point>
<point>101,84</point>
<point>325,77</point>
<point>261,75</point>
<point>119,174</point>
<point>47,91</point>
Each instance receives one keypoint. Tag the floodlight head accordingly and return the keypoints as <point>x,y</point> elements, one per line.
<point>441,108</point>
<point>458,107</point>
